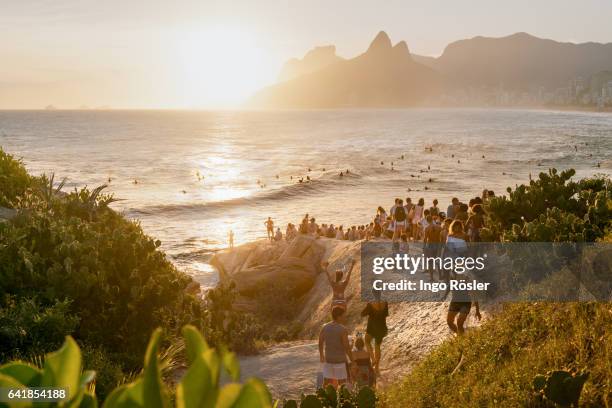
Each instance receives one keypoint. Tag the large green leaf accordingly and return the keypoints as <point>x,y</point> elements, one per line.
<point>228,395</point>
<point>89,401</point>
<point>194,342</point>
<point>9,382</point>
<point>254,394</point>
<point>196,388</point>
<point>231,364</point>
<point>153,388</point>
<point>126,396</point>
<point>63,368</point>
<point>24,373</point>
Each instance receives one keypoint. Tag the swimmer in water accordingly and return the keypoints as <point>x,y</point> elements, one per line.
<point>341,174</point>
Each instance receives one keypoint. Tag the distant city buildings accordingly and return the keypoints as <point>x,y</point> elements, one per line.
<point>578,92</point>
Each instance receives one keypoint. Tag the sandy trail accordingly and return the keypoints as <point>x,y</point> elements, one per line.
<point>288,368</point>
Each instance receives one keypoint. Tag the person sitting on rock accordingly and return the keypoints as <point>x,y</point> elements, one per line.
<point>279,235</point>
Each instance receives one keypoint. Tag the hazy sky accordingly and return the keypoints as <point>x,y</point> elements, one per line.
<point>198,53</point>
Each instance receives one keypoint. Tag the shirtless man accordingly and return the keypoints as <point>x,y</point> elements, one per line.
<point>270,228</point>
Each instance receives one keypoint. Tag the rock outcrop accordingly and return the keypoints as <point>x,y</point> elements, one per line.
<point>414,327</point>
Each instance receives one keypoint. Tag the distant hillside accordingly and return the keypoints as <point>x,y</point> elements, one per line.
<point>315,59</point>
<point>520,61</point>
<point>383,76</point>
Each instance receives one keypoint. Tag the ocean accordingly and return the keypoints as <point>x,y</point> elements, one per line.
<point>190,176</point>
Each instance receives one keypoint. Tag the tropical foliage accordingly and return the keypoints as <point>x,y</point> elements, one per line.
<point>200,386</point>
<point>552,208</point>
<point>14,179</point>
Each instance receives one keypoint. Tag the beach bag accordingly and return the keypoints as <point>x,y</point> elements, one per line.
<point>400,214</point>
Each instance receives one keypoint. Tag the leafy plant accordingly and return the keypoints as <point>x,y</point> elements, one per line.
<point>560,386</point>
<point>14,179</point>
<point>27,327</point>
<point>551,209</point>
<point>62,369</point>
<point>199,387</point>
<point>329,397</point>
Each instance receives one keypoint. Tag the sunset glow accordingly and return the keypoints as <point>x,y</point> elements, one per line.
<point>218,65</point>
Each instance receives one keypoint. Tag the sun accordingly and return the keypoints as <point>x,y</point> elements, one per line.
<point>218,66</point>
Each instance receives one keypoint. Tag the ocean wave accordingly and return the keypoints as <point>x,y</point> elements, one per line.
<point>321,185</point>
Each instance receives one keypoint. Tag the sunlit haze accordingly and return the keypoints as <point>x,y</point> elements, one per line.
<point>208,54</point>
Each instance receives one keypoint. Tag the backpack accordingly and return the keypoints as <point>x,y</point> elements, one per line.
<point>400,214</point>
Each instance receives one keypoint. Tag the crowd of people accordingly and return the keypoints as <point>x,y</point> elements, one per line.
<point>404,222</point>
<point>356,358</point>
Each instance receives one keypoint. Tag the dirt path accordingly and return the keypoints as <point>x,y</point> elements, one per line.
<point>287,368</point>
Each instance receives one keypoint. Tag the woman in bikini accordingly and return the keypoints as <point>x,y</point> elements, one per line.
<point>338,284</point>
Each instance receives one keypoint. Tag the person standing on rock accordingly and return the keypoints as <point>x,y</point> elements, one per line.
<point>334,348</point>
<point>270,228</point>
<point>231,239</point>
<point>338,284</point>
<point>376,330</point>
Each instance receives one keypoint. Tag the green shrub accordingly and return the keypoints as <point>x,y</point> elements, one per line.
<point>14,179</point>
<point>199,387</point>
<point>29,328</point>
<point>119,284</point>
<point>109,373</point>
<point>552,209</point>
<point>225,326</point>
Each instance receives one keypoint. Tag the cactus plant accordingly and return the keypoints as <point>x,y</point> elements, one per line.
<point>561,386</point>
<point>329,397</point>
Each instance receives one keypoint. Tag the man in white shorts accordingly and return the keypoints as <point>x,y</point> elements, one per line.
<point>334,348</point>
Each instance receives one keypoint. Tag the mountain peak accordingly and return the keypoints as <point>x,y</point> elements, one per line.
<point>381,42</point>
<point>401,48</point>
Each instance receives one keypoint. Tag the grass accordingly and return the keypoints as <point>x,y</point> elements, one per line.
<point>503,356</point>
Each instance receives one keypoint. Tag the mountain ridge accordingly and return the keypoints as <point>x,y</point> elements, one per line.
<point>388,75</point>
